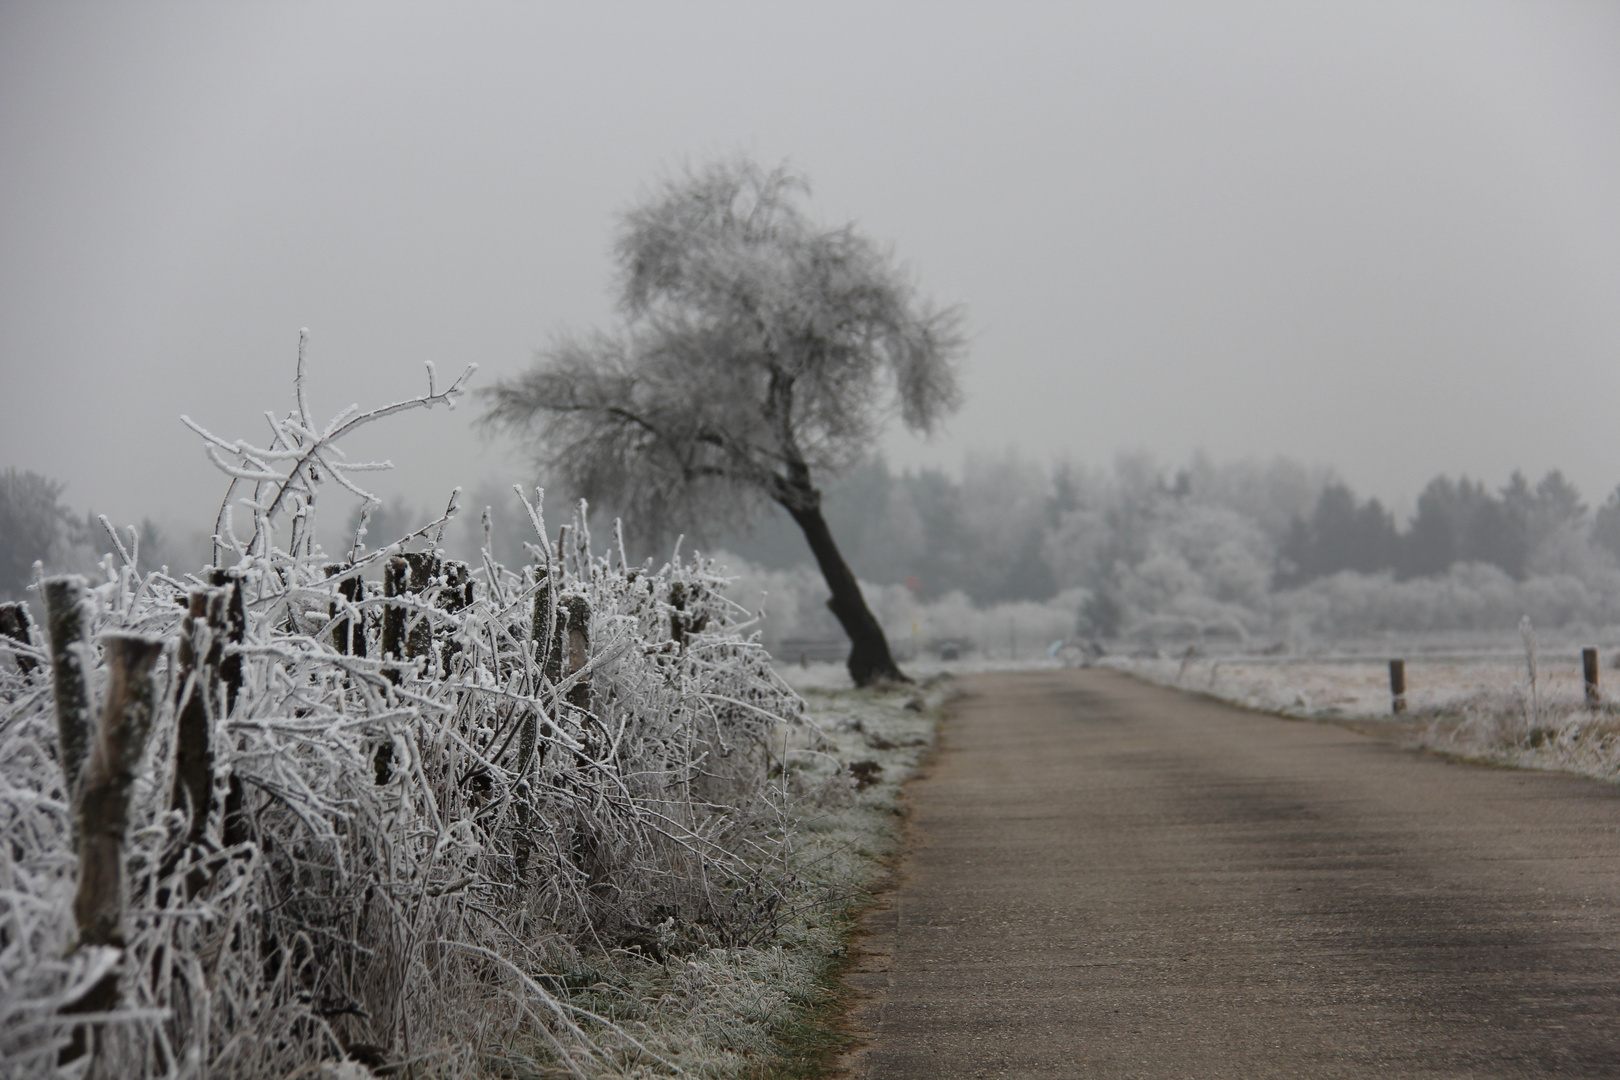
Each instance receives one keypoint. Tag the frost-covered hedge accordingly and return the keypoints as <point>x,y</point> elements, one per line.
<point>417,800</point>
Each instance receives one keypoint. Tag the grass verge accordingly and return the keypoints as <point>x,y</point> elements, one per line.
<point>766,1005</point>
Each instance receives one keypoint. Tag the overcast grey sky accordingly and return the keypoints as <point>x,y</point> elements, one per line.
<point>1384,237</point>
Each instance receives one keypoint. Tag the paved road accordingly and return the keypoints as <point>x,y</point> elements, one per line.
<point>1116,880</point>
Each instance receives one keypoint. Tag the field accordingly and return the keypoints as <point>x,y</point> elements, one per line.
<point>1479,698</point>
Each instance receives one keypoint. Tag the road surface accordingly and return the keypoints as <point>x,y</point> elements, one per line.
<point>1112,879</point>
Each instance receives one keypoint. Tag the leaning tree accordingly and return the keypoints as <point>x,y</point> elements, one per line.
<point>758,351</point>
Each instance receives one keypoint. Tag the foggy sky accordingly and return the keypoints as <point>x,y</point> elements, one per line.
<point>1382,237</point>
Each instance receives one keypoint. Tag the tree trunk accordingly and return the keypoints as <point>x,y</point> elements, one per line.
<point>869,659</point>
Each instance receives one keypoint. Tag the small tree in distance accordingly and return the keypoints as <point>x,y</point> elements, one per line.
<point>33,525</point>
<point>758,352</point>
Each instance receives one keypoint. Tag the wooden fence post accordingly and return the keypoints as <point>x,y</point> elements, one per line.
<point>458,587</point>
<point>563,633</point>
<point>126,722</point>
<point>348,635</point>
<point>1589,665</point>
<point>455,595</point>
<point>234,826</point>
<point>419,631</point>
<point>540,634</point>
<point>573,645</point>
<point>546,618</point>
<point>396,581</point>
<point>1397,686</point>
<point>682,624</point>
<point>16,625</point>
<point>230,668</point>
<point>202,643</point>
<point>67,611</point>
<point>561,630</point>
<point>103,810</point>
<point>403,638</point>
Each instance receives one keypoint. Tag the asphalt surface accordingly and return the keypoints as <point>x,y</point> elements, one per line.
<point>1112,879</point>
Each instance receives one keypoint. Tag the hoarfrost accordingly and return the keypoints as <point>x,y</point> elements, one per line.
<point>398,846</point>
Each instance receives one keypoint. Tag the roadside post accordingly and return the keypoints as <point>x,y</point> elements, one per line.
<point>1589,662</point>
<point>1397,687</point>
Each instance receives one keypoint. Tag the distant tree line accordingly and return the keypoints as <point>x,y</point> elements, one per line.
<point>1209,543</point>
<point>1144,548</point>
<point>1457,521</point>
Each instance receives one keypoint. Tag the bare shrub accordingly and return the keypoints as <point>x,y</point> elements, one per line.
<point>422,804</point>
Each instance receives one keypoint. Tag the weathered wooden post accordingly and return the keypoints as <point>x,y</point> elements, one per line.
<point>396,582</point>
<point>234,828</point>
<point>16,625</point>
<point>533,727</point>
<point>561,630</point>
<point>230,668</point>
<point>419,630</point>
<point>681,623</point>
<point>570,651</point>
<point>574,645</point>
<point>455,594</point>
<point>67,616</point>
<point>1589,664</point>
<point>403,638</point>
<point>546,620</point>
<point>1397,686</point>
<point>126,722</point>
<point>103,809</point>
<point>541,627</point>
<point>348,635</point>
<point>458,587</point>
<point>202,644</point>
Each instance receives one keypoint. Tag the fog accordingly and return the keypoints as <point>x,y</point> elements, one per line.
<point>1383,238</point>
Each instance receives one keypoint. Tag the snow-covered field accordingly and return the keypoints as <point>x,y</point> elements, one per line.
<point>1357,687</point>
<point>1481,703</point>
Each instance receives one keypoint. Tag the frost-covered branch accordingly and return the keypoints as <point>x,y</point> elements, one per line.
<point>300,457</point>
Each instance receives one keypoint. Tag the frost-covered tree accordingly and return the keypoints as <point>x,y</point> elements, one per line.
<point>1342,533</point>
<point>1606,525</point>
<point>34,525</point>
<point>1460,521</point>
<point>758,352</point>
